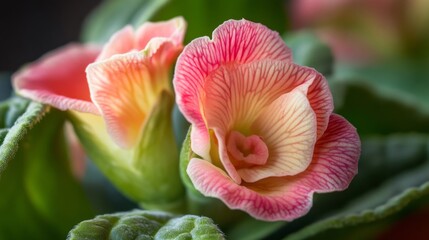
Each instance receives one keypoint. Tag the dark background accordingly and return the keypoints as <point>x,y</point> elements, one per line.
<point>33,27</point>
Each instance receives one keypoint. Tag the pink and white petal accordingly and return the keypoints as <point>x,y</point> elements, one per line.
<point>200,143</point>
<point>234,95</point>
<point>163,52</point>
<point>172,30</point>
<point>321,100</point>
<point>288,127</point>
<point>122,41</point>
<point>233,42</point>
<point>335,160</point>
<point>124,88</point>
<point>224,157</point>
<point>59,79</point>
<point>269,200</point>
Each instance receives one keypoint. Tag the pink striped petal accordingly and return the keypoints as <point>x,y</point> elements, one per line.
<point>288,127</point>
<point>235,95</point>
<point>233,42</point>
<point>126,40</point>
<point>335,160</point>
<point>124,88</point>
<point>286,198</point>
<point>172,30</point>
<point>122,41</point>
<point>268,201</point>
<point>58,78</point>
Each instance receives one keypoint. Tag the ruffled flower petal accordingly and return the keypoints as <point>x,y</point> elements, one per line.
<point>268,200</point>
<point>122,41</point>
<point>286,198</point>
<point>149,36</point>
<point>173,30</point>
<point>59,79</point>
<point>124,88</point>
<point>335,160</point>
<point>233,42</point>
<point>288,128</point>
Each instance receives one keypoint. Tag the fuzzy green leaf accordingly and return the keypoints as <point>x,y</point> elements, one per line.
<point>17,116</point>
<point>40,198</point>
<point>392,180</point>
<point>357,223</point>
<point>140,224</point>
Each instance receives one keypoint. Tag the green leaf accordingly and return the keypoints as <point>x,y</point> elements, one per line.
<point>400,80</point>
<point>372,113</point>
<point>361,224</point>
<point>112,15</point>
<point>12,130</point>
<point>392,179</point>
<point>40,199</point>
<point>308,50</point>
<point>252,229</point>
<point>139,224</point>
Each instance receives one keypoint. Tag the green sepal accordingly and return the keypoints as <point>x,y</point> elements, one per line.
<point>199,204</point>
<point>140,224</point>
<point>186,154</point>
<point>148,173</point>
<point>157,158</point>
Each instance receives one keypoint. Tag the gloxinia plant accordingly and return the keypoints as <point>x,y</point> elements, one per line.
<point>264,137</point>
<point>266,155</point>
<point>120,100</point>
<point>263,130</point>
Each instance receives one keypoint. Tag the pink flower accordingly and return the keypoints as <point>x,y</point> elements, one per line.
<point>263,127</point>
<point>121,86</point>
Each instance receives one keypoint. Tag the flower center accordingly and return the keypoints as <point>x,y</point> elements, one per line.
<point>246,151</point>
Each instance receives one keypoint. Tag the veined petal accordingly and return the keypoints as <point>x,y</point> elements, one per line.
<point>286,198</point>
<point>59,79</point>
<point>233,42</point>
<point>126,40</point>
<point>288,127</point>
<point>238,93</point>
<point>321,101</point>
<point>268,201</point>
<point>235,95</point>
<point>335,160</point>
<point>122,41</point>
<point>124,88</point>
